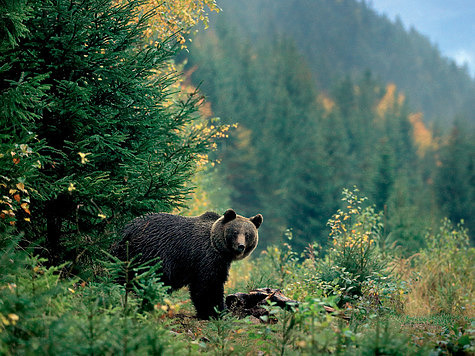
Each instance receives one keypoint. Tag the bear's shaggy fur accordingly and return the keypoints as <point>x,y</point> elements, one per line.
<point>194,251</point>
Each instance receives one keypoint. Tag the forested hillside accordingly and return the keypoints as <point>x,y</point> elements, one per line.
<point>340,38</point>
<point>300,141</point>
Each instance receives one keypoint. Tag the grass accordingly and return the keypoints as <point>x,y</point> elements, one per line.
<point>421,305</point>
<point>308,331</point>
<point>45,314</point>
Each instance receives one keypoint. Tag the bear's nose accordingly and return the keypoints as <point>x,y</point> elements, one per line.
<point>241,248</point>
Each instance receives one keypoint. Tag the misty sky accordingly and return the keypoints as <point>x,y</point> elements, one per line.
<point>450,24</point>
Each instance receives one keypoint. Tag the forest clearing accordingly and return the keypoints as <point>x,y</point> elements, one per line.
<point>356,300</point>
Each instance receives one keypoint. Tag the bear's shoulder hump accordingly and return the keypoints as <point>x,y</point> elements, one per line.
<point>209,216</point>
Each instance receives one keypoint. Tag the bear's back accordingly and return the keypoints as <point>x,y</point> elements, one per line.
<point>179,242</point>
<point>157,225</point>
<point>153,230</point>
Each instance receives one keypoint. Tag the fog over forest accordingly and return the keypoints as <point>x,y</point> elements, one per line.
<point>329,95</point>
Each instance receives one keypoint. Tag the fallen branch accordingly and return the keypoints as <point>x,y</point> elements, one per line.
<point>254,303</point>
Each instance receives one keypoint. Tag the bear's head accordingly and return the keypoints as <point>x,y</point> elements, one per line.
<point>234,235</point>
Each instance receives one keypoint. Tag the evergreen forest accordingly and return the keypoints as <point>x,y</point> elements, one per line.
<point>312,122</point>
<point>352,135</point>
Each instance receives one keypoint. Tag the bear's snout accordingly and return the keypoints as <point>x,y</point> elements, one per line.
<point>239,244</point>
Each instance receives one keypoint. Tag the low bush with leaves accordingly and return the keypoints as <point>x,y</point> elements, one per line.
<point>354,267</point>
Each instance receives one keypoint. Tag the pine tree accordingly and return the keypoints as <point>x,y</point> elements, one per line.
<point>311,192</point>
<point>455,177</point>
<point>13,14</point>
<point>384,174</point>
<point>117,140</point>
<point>20,95</point>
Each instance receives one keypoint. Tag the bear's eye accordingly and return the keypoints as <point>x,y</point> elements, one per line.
<point>232,237</point>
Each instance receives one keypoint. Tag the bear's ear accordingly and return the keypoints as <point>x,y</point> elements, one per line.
<point>229,215</point>
<point>257,220</point>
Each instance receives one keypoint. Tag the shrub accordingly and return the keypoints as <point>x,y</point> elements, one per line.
<point>354,261</point>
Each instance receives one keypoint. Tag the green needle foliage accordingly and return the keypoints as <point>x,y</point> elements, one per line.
<point>99,116</point>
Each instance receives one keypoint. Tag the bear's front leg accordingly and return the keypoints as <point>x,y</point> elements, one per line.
<point>206,296</point>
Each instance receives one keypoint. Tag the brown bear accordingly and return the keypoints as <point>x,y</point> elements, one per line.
<point>194,251</point>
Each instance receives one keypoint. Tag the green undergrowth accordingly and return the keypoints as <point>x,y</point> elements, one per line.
<point>46,311</point>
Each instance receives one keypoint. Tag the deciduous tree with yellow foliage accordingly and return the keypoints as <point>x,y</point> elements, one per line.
<point>176,18</point>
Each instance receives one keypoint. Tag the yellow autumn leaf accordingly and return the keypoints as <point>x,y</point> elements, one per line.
<point>21,186</point>
<point>25,207</point>
<point>5,321</point>
<point>84,160</point>
<point>102,216</point>
<point>13,317</point>
<point>8,212</point>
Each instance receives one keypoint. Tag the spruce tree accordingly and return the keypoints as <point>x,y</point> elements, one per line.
<point>455,176</point>
<point>20,95</point>
<point>383,175</point>
<point>117,140</point>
